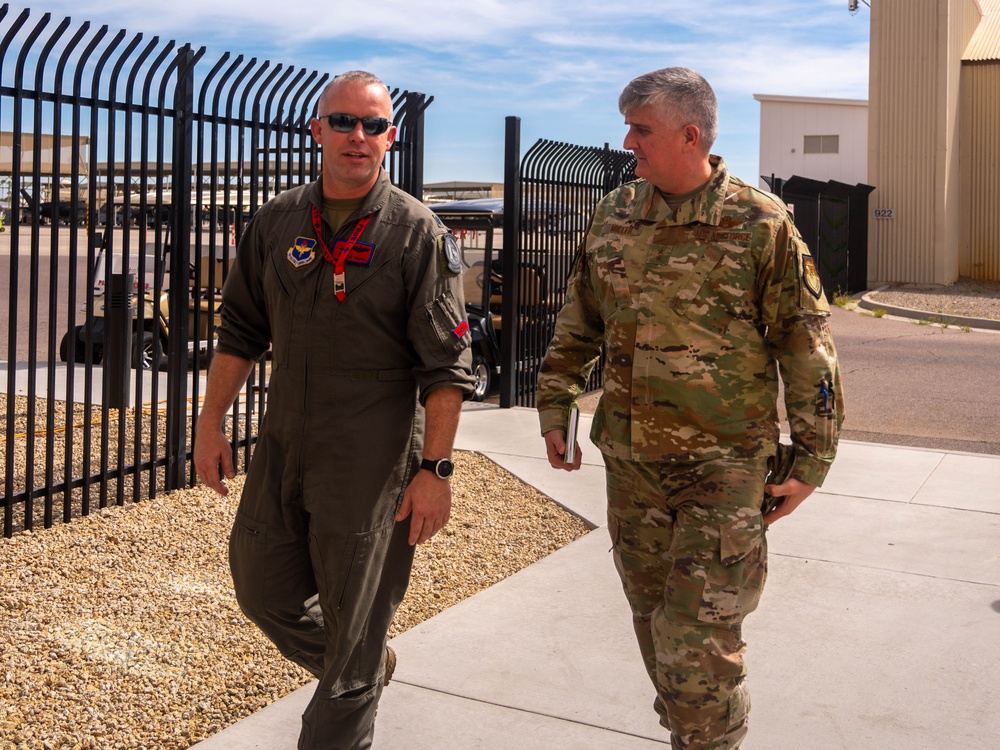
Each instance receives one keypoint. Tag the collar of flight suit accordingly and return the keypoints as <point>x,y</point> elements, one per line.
<point>705,207</point>
<point>375,201</point>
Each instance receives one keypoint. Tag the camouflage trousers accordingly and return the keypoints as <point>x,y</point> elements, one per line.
<point>688,543</point>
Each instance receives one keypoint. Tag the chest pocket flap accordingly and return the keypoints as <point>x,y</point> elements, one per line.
<point>684,290</point>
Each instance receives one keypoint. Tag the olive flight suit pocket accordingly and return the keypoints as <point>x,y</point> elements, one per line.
<point>353,571</point>
<point>444,327</point>
<point>281,286</point>
<point>247,561</point>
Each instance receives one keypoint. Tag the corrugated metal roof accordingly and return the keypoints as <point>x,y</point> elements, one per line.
<point>985,42</point>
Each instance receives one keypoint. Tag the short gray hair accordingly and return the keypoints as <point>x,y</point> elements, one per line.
<point>680,94</point>
<point>354,76</point>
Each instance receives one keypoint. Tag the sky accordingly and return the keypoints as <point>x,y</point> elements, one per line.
<point>559,65</point>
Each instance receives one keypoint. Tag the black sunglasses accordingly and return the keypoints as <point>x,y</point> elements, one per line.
<point>344,123</point>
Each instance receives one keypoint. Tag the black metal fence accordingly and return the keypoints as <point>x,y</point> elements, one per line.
<point>549,197</point>
<point>123,164</point>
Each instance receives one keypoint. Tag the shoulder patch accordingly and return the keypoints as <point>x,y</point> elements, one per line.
<point>810,276</point>
<point>452,256</point>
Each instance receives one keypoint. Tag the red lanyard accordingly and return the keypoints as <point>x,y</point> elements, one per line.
<point>338,257</point>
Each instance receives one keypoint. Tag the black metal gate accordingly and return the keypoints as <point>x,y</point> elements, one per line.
<point>832,218</point>
<point>549,197</point>
<point>124,166</point>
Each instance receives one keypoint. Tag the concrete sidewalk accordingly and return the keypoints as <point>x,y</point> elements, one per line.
<point>878,629</point>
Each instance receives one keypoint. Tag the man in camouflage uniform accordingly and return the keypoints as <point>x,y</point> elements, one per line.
<point>698,286</point>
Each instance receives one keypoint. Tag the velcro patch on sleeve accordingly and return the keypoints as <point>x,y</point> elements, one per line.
<point>452,255</point>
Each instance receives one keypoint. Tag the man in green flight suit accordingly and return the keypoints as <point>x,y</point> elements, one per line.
<point>699,288</point>
<point>356,287</point>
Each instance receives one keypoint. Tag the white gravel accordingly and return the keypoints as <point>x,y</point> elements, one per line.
<point>120,630</point>
<point>966,298</point>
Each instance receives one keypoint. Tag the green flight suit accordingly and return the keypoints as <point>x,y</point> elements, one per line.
<point>342,436</point>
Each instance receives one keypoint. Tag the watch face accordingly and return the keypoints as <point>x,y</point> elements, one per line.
<point>445,468</point>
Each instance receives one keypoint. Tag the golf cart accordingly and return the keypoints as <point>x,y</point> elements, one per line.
<point>478,226</point>
<point>151,330</point>
<point>475,224</point>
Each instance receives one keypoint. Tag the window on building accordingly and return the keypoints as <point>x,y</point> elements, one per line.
<point>821,144</point>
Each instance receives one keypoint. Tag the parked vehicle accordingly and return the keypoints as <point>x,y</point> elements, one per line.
<point>151,330</point>
<point>474,223</point>
<point>478,227</point>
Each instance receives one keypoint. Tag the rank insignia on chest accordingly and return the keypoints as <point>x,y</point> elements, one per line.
<point>303,252</point>
<point>810,277</point>
<point>358,254</point>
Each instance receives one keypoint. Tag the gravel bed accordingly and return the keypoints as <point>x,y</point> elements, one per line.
<point>966,298</point>
<point>77,443</point>
<point>120,630</point>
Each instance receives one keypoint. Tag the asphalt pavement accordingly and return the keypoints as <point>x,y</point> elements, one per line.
<point>919,385</point>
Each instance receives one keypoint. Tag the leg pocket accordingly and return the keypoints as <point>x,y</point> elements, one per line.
<point>247,555</point>
<point>735,579</point>
<point>353,572</point>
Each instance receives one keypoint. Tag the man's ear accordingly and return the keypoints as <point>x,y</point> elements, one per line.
<point>692,136</point>
<point>314,126</point>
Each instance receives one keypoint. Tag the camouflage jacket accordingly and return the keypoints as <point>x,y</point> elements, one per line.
<point>697,308</point>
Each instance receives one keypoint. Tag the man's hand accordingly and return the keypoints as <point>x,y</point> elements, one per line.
<point>793,491</point>
<point>555,448</point>
<point>428,498</point>
<point>213,454</point>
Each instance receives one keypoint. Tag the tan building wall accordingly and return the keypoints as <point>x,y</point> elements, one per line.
<point>979,247</point>
<point>913,137</point>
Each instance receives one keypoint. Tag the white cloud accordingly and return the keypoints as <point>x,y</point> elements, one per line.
<point>560,64</point>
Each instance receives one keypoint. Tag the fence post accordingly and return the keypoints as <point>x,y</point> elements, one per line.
<point>180,258</point>
<point>509,261</point>
<point>610,178</point>
<point>118,315</point>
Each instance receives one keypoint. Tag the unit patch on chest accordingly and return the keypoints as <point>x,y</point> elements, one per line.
<point>358,254</point>
<point>303,252</point>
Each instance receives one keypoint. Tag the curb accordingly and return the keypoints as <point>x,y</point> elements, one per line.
<point>867,303</point>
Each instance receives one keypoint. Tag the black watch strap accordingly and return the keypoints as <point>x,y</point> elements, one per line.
<point>442,467</point>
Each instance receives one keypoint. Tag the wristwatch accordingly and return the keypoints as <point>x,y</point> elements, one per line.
<point>442,467</point>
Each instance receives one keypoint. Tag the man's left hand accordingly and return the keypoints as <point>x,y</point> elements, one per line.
<point>793,491</point>
<point>428,498</point>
